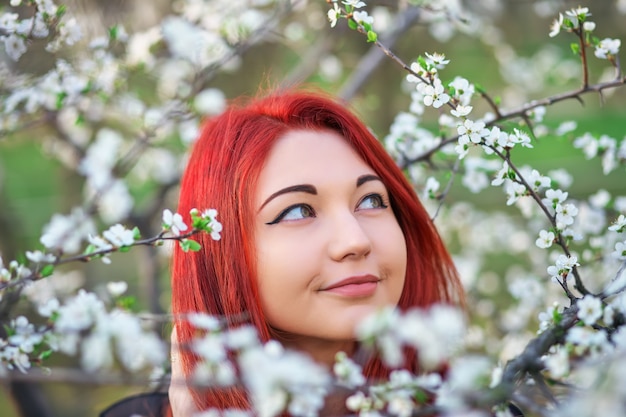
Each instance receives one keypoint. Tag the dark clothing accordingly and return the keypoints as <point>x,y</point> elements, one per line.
<point>153,404</point>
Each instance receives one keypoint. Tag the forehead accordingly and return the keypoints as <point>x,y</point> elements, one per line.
<point>307,156</point>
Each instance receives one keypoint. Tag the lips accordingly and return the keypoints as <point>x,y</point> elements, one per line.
<point>357,286</point>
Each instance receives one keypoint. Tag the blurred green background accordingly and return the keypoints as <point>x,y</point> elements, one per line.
<point>33,186</point>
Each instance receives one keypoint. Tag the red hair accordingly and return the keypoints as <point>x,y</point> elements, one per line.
<point>222,172</point>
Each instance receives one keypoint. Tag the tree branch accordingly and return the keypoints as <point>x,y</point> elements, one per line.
<point>374,57</point>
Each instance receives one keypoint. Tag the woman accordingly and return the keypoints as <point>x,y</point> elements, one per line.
<point>320,227</point>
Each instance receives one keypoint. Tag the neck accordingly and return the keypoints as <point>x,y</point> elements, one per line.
<point>322,351</point>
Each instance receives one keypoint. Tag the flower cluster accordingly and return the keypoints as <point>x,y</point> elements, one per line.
<point>127,144</point>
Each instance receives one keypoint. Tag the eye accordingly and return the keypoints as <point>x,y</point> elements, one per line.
<point>372,201</point>
<point>295,212</point>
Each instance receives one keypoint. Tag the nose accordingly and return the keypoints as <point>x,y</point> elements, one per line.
<point>348,238</point>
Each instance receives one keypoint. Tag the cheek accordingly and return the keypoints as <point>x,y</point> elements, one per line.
<point>396,257</point>
<point>284,268</point>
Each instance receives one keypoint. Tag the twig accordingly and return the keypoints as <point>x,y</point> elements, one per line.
<point>561,241</point>
<point>529,360</point>
<point>373,58</point>
<point>34,276</point>
<point>79,377</point>
<point>444,193</point>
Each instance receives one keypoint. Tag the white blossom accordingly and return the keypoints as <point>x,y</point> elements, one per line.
<point>214,224</point>
<point>15,46</point>
<point>348,373</point>
<point>362,17</point>
<point>279,379</point>
<point>333,15</point>
<point>555,26</point>
<point>40,257</point>
<point>210,101</point>
<point>437,60</point>
<point>463,90</point>
<point>117,288</point>
<point>434,94</point>
<point>620,251</point>
<point>461,111</point>
<point>25,336</point>
<point>563,265</point>
<point>565,214</point>
<point>545,239</point>
<point>554,197</point>
<point>607,47</point>
<point>67,232</point>
<point>173,222</point>
<point>619,225</point>
<point>79,313</point>
<point>589,309</point>
<point>357,4</point>
<point>119,236</point>
<point>558,363</point>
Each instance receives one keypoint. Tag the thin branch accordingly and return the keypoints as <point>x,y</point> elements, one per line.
<point>444,193</point>
<point>207,73</point>
<point>561,241</point>
<point>79,377</point>
<point>543,387</point>
<point>529,360</point>
<point>492,104</point>
<point>529,404</point>
<point>86,257</point>
<point>583,55</point>
<point>403,21</point>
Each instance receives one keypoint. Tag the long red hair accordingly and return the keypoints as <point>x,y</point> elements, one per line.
<point>222,172</point>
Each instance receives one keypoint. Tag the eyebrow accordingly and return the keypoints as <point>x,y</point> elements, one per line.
<point>310,189</point>
<point>300,188</point>
<point>365,178</point>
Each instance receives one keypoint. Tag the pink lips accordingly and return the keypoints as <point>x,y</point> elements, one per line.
<point>359,286</point>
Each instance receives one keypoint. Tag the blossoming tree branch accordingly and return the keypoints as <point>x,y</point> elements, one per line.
<point>558,348</point>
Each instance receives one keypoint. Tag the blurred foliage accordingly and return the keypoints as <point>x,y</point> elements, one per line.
<point>305,50</point>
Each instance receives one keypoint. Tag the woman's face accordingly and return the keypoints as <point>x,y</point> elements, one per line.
<point>329,248</point>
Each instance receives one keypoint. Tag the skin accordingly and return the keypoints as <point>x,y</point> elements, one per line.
<point>323,215</point>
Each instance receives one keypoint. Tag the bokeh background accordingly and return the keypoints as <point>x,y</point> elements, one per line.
<point>505,49</point>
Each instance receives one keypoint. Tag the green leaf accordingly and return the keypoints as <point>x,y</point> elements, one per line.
<point>352,24</point>
<point>184,245</point>
<point>113,31</point>
<point>422,61</point>
<point>372,36</point>
<point>194,246</point>
<point>61,10</point>
<point>136,233</point>
<point>127,302</point>
<point>45,354</point>
<point>420,397</point>
<point>124,249</point>
<point>575,47</point>
<point>47,270</point>
<point>60,97</point>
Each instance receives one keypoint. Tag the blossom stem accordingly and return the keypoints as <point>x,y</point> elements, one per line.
<point>444,193</point>
<point>583,56</point>
<point>34,276</point>
<point>561,241</point>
